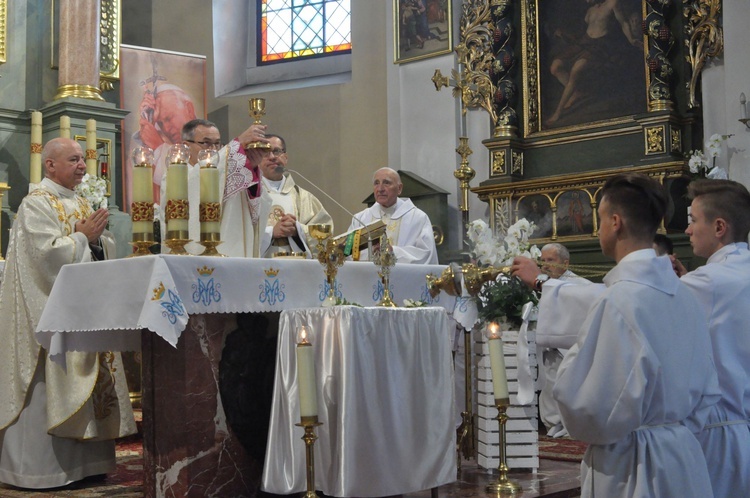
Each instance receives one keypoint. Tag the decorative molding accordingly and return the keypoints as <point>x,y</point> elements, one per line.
<point>655,140</point>
<point>3,30</point>
<point>660,42</point>
<point>704,38</point>
<point>109,43</point>
<point>499,167</point>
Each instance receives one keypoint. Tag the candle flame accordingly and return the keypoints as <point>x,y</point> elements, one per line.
<point>494,331</point>
<point>303,335</point>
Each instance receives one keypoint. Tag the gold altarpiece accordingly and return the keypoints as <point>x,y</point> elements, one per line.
<point>569,110</point>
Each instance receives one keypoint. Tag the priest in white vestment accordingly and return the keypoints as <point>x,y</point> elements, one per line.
<point>641,367</point>
<point>718,230</point>
<point>293,208</point>
<point>56,425</point>
<point>408,227</point>
<point>243,199</point>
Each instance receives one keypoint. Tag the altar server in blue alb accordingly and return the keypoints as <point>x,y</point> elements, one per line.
<point>641,367</point>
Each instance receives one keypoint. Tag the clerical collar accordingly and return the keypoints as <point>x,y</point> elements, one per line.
<point>275,185</point>
<point>57,188</point>
<point>387,212</point>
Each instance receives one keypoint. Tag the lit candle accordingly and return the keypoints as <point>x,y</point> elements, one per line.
<point>91,164</point>
<point>64,126</point>
<point>35,163</point>
<point>308,396</point>
<point>177,190</point>
<point>209,176</point>
<point>497,363</point>
<point>141,190</point>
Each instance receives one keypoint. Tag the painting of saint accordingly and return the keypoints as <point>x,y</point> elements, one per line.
<point>591,56</point>
<point>536,208</point>
<point>574,214</point>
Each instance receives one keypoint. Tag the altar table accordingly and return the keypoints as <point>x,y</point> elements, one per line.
<point>385,398</point>
<point>189,304</point>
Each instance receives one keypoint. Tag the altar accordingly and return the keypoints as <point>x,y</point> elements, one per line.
<point>182,310</point>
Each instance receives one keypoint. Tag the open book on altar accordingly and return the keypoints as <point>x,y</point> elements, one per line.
<point>355,241</point>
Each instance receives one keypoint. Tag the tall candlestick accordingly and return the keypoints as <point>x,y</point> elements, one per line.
<point>35,162</point>
<point>91,163</point>
<point>497,363</point>
<point>177,211</point>
<point>308,396</point>
<point>210,214</point>
<point>65,127</point>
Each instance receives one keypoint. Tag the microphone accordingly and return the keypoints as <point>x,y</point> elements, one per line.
<point>354,217</point>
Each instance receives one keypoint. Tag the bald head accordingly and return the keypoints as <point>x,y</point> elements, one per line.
<point>386,183</point>
<point>64,162</point>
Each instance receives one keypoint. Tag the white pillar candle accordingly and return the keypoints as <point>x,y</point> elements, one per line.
<point>142,191</point>
<point>497,363</point>
<point>308,395</point>
<point>91,163</point>
<point>177,190</point>
<point>65,127</point>
<point>35,162</point>
<point>210,195</point>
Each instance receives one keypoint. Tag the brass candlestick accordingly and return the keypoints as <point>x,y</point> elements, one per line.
<point>385,259</point>
<point>257,110</point>
<point>210,241</point>
<point>309,439</point>
<point>503,485</point>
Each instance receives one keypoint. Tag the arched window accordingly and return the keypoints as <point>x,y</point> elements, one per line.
<point>297,29</point>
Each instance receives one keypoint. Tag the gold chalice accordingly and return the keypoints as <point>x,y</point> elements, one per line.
<point>257,110</point>
<point>320,232</point>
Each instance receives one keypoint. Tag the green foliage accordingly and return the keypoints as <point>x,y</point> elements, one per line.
<point>504,299</point>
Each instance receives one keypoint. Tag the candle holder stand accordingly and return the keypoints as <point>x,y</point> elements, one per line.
<point>503,485</point>
<point>210,241</point>
<point>309,424</point>
<point>141,247</point>
<point>176,241</point>
<point>465,444</point>
<point>385,259</point>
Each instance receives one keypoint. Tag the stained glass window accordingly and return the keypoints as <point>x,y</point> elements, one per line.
<point>294,29</point>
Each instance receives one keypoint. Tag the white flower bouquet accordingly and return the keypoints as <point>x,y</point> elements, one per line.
<point>704,163</point>
<point>94,190</point>
<point>489,249</point>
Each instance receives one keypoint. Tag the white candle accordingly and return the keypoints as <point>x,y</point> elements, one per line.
<point>142,193</point>
<point>64,126</point>
<point>177,191</point>
<point>497,363</point>
<point>91,163</point>
<point>35,162</point>
<point>308,395</point>
<point>210,195</point>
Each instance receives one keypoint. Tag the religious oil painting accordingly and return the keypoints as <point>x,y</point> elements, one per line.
<point>591,63</point>
<point>575,215</point>
<point>421,29</point>
<point>163,91</point>
<point>537,209</point>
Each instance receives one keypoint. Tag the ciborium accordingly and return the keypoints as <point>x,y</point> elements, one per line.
<point>385,259</point>
<point>330,256</point>
<point>256,111</point>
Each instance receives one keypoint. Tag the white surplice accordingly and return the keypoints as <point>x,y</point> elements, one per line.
<point>722,288</point>
<point>414,240</point>
<point>640,367</point>
<point>56,426</point>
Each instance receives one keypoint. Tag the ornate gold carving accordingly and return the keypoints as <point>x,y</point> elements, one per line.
<point>660,42</point>
<point>142,211</point>
<point>655,140</point>
<point>109,44</point>
<point>3,30</point>
<point>517,166</point>
<point>502,214</point>
<point>210,211</point>
<point>704,38</point>
<point>90,154</point>
<point>36,148</point>
<point>532,102</point>
<point>177,209</point>
<point>675,139</point>
<point>498,163</point>
<point>79,91</point>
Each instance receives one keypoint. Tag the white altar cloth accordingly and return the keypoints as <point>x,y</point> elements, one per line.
<point>108,303</point>
<point>385,398</point>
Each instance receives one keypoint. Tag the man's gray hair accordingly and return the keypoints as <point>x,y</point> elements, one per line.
<point>188,129</point>
<point>391,170</point>
<point>562,251</point>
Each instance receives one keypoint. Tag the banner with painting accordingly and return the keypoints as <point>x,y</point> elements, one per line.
<point>162,90</point>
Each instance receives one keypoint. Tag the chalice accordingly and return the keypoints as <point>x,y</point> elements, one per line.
<point>320,232</point>
<point>257,110</point>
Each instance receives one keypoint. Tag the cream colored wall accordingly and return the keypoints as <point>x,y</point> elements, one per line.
<point>336,134</point>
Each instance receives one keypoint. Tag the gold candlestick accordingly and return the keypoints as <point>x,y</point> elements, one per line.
<point>385,259</point>
<point>257,110</point>
<point>309,439</point>
<point>503,485</point>
<point>330,256</point>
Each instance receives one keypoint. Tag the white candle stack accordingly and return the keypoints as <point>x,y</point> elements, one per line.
<point>497,363</point>
<point>35,163</point>
<point>308,396</point>
<point>91,162</point>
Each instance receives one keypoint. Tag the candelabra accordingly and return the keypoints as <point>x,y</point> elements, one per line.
<point>503,485</point>
<point>309,438</point>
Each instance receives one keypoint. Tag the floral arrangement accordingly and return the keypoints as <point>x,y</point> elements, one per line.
<point>704,163</point>
<point>94,190</point>
<point>504,298</point>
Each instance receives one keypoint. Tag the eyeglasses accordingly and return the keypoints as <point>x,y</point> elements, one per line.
<point>206,144</point>
<point>277,152</point>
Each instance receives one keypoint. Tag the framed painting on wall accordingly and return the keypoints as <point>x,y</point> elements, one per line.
<point>584,62</point>
<point>163,91</point>
<point>421,29</point>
